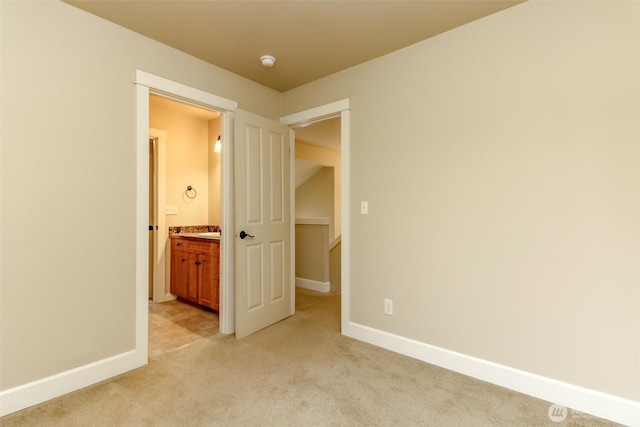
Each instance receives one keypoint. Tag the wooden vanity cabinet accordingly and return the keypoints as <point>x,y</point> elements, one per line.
<point>195,271</point>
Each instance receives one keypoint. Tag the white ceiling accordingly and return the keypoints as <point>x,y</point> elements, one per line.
<point>309,38</point>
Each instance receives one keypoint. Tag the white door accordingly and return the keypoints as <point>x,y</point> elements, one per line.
<point>262,222</point>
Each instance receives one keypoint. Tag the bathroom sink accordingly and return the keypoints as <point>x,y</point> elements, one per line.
<point>210,234</point>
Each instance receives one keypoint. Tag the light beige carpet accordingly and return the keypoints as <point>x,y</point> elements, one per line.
<point>299,372</point>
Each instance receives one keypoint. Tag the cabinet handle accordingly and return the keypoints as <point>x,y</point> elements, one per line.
<point>182,259</point>
<point>178,244</point>
<point>198,263</point>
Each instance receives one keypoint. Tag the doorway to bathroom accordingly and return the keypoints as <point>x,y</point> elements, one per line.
<point>184,196</point>
<point>185,185</point>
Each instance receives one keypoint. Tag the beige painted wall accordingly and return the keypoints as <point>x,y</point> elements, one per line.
<point>68,180</point>
<point>335,267</point>
<point>312,252</point>
<point>501,159</point>
<point>214,214</point>
<point>187,163</point>
<point>328,158</point>
<point>314,198</point>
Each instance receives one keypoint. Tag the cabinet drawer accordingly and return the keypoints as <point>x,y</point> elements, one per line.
<point>194,246</point>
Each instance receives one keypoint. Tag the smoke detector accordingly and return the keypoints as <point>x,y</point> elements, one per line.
<point>267,60</point>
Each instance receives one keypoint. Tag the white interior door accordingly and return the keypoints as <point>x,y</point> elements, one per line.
<point>262,222</point>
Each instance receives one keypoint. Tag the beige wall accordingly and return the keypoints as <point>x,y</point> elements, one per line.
<point>68,180</point>
<point>328,158</point>
<point>214,174</point>
<point>501,161</point>
<point>187,163</point>
<point>312,252</point>
<point>314,198</point>
<point>335,267</point>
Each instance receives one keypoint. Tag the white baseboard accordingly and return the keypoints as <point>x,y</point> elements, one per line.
<point>313,285</point>
<point>581,399</point>
<point>24,396</point>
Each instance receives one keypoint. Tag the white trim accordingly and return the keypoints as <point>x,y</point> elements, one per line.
<point>592,402</point>
<point>142,225</point>
<point>292,219</point>
<point>317,114</point>
<point>160,288</point>
<point>345,248</point>
<point>312,221</point>
<point>149,83</point>
<point>184,93</point>
<point>313,285</point>
<point>26,395</point>
<point>227,317</point>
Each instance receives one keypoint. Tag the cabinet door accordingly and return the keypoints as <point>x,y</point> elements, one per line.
<point>179,274</point>
<point>208,292</point>
<point>193,267</point>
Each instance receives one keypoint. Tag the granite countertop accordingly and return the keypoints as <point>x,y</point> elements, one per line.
<point>201,236</point>
<point>200,232</point>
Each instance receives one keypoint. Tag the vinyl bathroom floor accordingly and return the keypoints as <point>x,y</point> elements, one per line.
<point>174,324</point>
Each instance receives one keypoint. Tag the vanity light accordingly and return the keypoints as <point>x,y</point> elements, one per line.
<point>218,147</point>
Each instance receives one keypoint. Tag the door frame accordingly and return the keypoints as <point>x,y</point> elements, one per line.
<point>146,84</point>
<point>342,109</point>
<point>160,286</point>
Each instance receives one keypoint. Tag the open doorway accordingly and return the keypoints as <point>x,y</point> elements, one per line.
<point>318,187</point>
<point>184,153</point>
<point>300,120</point>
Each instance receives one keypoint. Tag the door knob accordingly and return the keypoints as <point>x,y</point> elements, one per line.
<point>243,235</point>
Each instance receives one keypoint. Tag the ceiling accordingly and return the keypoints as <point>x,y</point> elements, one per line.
<point>310,39</point>
<point>325,133</point>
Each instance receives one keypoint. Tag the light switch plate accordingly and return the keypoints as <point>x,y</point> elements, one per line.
<point>364,208</point>
<point>171,210</point>
<point>388,307</point>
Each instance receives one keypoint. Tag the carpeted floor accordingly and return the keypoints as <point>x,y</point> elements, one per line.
<point>299,372</point>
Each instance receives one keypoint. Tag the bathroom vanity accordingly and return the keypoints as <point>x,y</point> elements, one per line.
<point>195,268</point>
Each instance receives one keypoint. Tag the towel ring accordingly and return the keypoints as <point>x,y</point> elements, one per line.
<point>191,192</point>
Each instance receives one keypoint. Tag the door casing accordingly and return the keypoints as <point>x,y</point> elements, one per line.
<point>340,109</point>
<point>148,83</point>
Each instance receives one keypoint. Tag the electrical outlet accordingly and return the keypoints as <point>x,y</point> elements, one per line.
<point>171,210</point>
<point>388,307</point>
<point>364,208</point>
